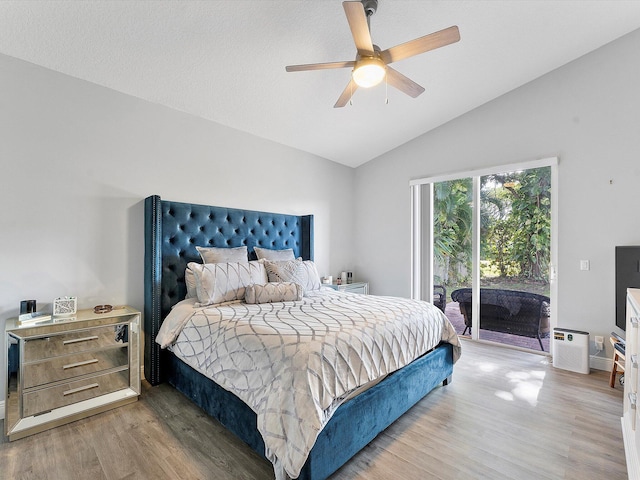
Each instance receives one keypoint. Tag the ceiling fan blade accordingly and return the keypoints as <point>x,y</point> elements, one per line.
<point>420,45</point>
<point>346,94</point>
<point>319,66</point>
<point>359,27</point>
<point>402,83</point>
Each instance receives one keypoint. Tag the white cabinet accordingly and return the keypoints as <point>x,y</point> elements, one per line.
<point>68,368</point>
<point>630,421</point>
<point>355,287</point>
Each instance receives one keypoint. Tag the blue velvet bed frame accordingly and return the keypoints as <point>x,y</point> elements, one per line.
<point>172,230</point>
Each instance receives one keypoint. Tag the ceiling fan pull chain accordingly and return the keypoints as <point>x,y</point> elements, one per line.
<point>386,91</point>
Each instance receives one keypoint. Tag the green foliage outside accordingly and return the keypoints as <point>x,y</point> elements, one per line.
<point>452,220</point>
<point>515,219</point>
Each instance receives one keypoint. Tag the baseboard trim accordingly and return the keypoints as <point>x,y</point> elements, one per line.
<point>601,363</point>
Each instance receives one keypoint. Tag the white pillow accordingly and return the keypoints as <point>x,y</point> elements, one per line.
<point>273,292</point>
<point>223,254</point>
<point>213,255</point>
<point>224,282</point>
<point>190,281</point>
<point>303,273</point>
<point>274,255</point>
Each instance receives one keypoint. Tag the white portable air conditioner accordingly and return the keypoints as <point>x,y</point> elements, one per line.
<point>571,350</point>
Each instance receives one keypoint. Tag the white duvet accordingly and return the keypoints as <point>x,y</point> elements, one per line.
<point>294,362</point>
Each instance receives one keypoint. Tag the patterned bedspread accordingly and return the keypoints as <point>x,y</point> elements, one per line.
<point>294,362</point>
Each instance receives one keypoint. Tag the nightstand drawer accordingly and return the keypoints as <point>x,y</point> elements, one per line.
<point>68,343</point>
<point>69,366</point>
<point>46,399</point>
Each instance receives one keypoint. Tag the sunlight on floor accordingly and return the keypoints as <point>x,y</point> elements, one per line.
<point>487,367</point>
<point>525,385</point>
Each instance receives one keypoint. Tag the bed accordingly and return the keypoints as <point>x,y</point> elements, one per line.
<point>173,230</point>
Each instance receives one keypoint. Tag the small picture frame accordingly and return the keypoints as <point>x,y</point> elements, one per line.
<point>63,306</point>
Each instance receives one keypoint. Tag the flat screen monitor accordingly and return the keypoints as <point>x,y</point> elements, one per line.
<point>627,276</point>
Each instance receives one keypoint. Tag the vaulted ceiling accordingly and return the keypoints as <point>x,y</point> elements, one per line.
<point>225,60</point>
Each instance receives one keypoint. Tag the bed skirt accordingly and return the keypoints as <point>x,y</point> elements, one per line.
<point>353,425</point>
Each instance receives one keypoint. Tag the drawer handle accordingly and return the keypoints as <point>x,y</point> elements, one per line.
<point>80,389</point>
<point>79,364</point>
<point>83,339</point>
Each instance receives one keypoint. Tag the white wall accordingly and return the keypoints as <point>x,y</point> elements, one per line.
<point>77,161</point>
<point>588,114</point>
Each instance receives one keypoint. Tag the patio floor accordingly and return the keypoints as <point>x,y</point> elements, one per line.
<point>452,311</point>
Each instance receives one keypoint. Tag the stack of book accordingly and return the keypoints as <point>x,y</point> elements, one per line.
<point>33,318</point>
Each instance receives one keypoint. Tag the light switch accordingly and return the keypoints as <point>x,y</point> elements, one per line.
<point>584,265</point>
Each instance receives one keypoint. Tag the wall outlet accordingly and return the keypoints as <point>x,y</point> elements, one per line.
<point>599,341</point>
<point>584,265</point>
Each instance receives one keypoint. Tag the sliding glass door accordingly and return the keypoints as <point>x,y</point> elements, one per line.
<point>489,242</point>
<point>515,253</point>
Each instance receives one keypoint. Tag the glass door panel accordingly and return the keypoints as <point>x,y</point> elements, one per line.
<point>515,252</point>
<point>452,247</point>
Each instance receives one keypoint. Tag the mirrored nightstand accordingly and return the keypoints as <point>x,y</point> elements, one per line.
<point>67,368</point>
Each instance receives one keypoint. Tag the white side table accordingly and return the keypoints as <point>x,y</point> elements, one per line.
<point>355,287</point>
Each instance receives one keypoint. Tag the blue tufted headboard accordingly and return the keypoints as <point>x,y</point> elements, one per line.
<point>172,230</point>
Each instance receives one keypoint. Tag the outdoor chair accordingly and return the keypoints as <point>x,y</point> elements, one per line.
<point>440,297</point>
<point>507,311</point>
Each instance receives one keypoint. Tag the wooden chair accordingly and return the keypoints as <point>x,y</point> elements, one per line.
<point>618,359</point>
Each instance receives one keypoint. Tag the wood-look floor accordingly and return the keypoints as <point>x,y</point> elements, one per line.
<point>506,415</point>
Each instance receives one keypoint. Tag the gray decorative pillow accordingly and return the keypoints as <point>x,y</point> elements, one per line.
<point>273,292</point>
<point>274,255</point>
<point>223,254</point>
<point>303,273</point>
<point>225,282</point>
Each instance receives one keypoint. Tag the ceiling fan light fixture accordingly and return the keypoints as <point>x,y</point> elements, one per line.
<point>369,72</point>
<point>371,65</point>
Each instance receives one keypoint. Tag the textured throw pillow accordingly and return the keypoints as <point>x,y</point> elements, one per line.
<point>303,273</point>
<point>224,282</point>
<point>223,254</point>
<point>273,292</point>
<point>274,255</point>
<point>190,281</point>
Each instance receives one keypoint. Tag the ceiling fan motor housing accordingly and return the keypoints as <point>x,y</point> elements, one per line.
<point>370,6</point>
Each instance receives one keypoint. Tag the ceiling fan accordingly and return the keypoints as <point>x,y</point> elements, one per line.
<point>372,64</point>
